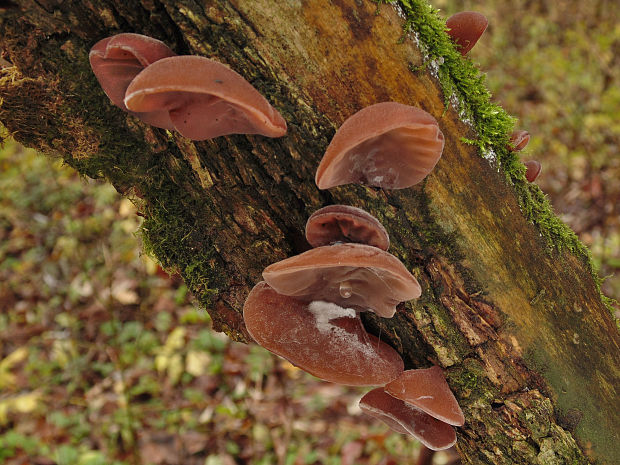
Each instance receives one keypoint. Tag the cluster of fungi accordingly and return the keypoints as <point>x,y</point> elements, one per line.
<point>308,307</point>
<point>198,97</point>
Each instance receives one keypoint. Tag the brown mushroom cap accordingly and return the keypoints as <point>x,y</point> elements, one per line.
<point>204,98</point>
<point>387,145</point>
<point>321,338</point>
<point>117,60</point>
<point>405,418</point>
<point>350,275</point>
<point>532,170</point>
<point>465,28</point>
<point>518,140</point>
<point>428,390</point>
<point>342,223</point>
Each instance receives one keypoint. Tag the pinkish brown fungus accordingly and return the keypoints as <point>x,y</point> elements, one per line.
<point>428,390</point>
<point>322,338</point>
<point>350,275</point>
<point>342,223</point>
<point>518,140</point>
<point>465,28</point>
<point>204,99</point>
<point>388,145</point>
<point>532,170</point>
<point>407,419</point>
<point>117,60</point>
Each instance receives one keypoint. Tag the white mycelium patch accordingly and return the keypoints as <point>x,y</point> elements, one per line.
<point>350,344</point>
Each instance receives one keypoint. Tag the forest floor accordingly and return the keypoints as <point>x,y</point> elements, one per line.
<point>105,359</point>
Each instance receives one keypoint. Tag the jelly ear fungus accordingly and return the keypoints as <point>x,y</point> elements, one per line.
<point>465,28</point>
<point>532,170</point>
<point>420,403</point>
<point>427,389</point>
<point>350,275</point>
<point>518,140</point>
<point>407,419</point>
<point>388,145</point>
<point>200,98</point>
<point>117,60</point>
<point>205,100</point>
<point>342,223</point>
<point>319,337</point>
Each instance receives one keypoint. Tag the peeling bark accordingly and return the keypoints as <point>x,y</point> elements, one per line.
<point>528,346</point>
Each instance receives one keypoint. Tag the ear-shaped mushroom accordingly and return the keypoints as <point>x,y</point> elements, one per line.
<point>322,338</point>
<point>342,223</point>
<point>428,390</point>
<point>518,140</point>
<point>350,275</point>
<point>387,145</point>
<point>407,419</point>
<point>465,28</point>
<point>532,170</point>
<point>117,60</point>
<point>204,99</point>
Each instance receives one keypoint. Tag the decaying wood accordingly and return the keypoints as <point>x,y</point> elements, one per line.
<point>528,347</point>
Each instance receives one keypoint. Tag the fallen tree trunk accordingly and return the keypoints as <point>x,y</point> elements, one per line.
<point>510,307</point>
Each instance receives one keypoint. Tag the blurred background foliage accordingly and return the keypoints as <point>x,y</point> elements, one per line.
<point>555,66</point>
<point>104,359</point>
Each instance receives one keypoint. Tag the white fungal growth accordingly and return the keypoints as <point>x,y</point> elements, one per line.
<point>349,344</point>
<point>490,156</point>
<point>325,311</point>
<point>400,11</point>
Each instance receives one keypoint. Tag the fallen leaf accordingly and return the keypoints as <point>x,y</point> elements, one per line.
<point>197,363</point>
<point>8,379</point>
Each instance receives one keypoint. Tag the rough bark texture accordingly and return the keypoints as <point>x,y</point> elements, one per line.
<point>517,323</point>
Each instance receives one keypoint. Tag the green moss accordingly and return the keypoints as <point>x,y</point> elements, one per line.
<point>461,79</point>
<point>471,381</point>
<point>170,230</point>
<point>168,238</point>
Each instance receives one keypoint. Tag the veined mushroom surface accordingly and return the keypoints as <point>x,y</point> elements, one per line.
<point>117,60</point>
<point>205,100</point>
<point>350,275</point>
<point>388,145</point>
<point>343,223</point>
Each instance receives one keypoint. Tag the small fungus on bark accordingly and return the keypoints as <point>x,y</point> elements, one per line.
<point>407,419</point>
<point>518,140</point>
<point>532,170</point>
<point>117,60</point>
<point>388,145</point>
<point>324,339</point>
<point>204,99</point>
<point>356,276</point>
<point>465,28</point>
<point>428,390</point>
<point>342,223</point>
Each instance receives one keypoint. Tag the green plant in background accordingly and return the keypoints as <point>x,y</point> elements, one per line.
<point>108,357</point>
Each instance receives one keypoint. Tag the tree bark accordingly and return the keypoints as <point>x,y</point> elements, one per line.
<point>512,315</point>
